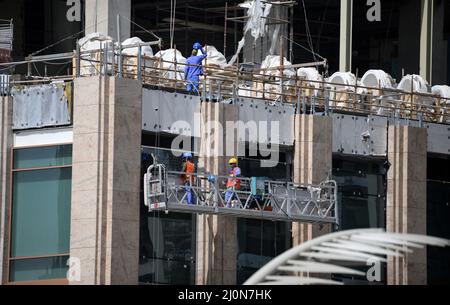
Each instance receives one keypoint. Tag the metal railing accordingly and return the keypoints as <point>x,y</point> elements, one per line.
<point>271,85</point>
<point>170,191</point>
<point>274,85</point>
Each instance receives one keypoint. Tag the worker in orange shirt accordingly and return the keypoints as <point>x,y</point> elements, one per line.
<point>233,183</point>
<point>188,178</point>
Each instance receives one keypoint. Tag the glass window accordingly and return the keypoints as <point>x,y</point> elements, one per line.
<point>39,269</point>
<point>40,216</point>
<point>41,212</point>
<point>361,193</point>
<point>43,157</point>
<point>438,214</point>
<point>167,249</point>
<point>259,242</point>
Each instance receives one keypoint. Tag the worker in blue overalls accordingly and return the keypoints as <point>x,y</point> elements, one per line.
<point>194,68</point>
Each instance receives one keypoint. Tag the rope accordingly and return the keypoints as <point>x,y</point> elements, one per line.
<point>306,49</point>
<point>142,28</point>
<point>308,32</point>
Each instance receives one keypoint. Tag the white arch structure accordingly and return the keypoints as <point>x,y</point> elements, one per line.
<point>334,253</point>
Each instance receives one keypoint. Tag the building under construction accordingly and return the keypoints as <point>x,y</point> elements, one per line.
<point>338,113</point>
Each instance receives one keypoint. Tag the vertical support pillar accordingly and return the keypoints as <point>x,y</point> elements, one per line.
<point>312,164</point>
<point>216,235</point>
<point>426,39</point>
<point>346,36</point>
<point>101,16</point>
<point>6,143</point>
<point>106,179</point>
<point>406,201</point>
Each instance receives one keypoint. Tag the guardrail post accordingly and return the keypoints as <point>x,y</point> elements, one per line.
<point>78,60</point>
<point>139,62</point>
<point>327,105</point>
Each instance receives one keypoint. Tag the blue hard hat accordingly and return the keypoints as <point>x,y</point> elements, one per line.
<point>197,46</point>
<point>187,155</point>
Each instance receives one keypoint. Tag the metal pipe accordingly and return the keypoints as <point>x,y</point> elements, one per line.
<point>139,63</point>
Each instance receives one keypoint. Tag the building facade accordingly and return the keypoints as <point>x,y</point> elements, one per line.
<point>74,150</point>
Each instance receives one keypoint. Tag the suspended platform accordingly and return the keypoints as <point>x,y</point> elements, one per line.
<point>257,198</point>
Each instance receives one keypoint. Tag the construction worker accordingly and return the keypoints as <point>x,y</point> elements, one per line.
<point>233,183</point>
<point>187,178</point>
<point>194,68</point>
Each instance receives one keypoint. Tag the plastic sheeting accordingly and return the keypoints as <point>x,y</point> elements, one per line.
<point>382,80</point>
<point>377,79</point>
<point>41,106</point>
<point>214,57</point>
<point>415,83</point>
<point>256,23</point>
<point>274,61</point>
<point>145,50</point>
<point>442,91</point>
<point>173,113</point>
<point>310,74</point>
<point>169,58</point>
<point>131,63</point>
<point>257,13</point>
<point>344,81</point>
<point>90,62</point>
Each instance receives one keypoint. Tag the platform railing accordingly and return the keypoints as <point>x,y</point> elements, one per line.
<point>273,86</point>
<point>272,200</point>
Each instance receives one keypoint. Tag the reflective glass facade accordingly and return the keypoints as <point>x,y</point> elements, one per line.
<point>40,217</point>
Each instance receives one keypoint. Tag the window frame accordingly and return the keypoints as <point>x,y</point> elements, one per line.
<point>9,258</point>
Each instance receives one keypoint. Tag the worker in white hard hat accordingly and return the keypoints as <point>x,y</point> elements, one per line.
<point>233,183</point>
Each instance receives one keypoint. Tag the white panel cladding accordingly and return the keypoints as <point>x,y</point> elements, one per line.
<point>266,116</point>
<point>356,135</point>
<point>43,137</point>
<point>169,112</point>
<point>438,138</point>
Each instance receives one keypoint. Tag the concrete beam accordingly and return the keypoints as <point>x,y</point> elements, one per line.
<point>312,164</point>
<point>426,39</point>
<point>406,210</point>
<point>216,235</point>
<point>101,16</point>
<point>106,179</point>
<point>6,143</point>
<point>346,36</point>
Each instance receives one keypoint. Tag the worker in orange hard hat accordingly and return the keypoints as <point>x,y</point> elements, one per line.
<point>233,183</point>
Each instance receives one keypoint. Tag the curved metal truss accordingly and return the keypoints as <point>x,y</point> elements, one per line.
<point>256,198</point>
<point>334,253</point>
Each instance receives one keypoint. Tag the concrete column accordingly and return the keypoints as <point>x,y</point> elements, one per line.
<point>440,46</point>
<point>406,200</point>
<point>6,143</point>
<point>426,39</point>
<point>312,164</point>
<point>216,235</point>
<point>106,179</point>
<point>101,16</point>
<point>346,36</point>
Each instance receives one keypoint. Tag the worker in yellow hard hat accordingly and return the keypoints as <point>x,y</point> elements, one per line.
<point>233,183</point>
